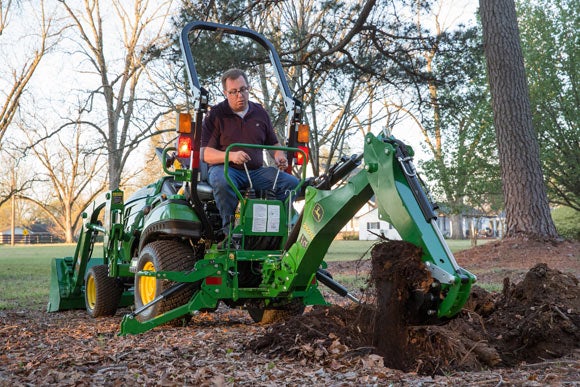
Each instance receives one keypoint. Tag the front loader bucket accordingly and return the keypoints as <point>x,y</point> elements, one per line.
<point>61,295</point>
<point>66,288</point>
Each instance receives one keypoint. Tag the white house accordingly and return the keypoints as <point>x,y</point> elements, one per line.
<point>370,227</point>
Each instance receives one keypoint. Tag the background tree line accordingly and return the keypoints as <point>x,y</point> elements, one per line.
<point>357,66</point>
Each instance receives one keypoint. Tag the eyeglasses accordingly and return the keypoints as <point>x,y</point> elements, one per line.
<point>242,90</point>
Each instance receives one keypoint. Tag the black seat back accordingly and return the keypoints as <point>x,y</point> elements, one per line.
<point>204,190</point>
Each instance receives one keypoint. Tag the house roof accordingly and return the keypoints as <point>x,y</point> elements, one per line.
<point>366,213</point>
<point>39,228</point>
<point>36,229</point>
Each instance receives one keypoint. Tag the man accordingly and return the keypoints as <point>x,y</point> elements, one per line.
<point>238,120</point>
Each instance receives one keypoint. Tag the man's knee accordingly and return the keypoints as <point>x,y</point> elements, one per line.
<point>290,182</point>
<point>219,184</point>
<point>217,179</point>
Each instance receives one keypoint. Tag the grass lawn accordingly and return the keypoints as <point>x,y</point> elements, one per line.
<point>352,250</point>
<point>25,274</point>
<point>25,269</point>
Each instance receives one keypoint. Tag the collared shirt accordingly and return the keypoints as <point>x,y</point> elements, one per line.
<point>222,127</point>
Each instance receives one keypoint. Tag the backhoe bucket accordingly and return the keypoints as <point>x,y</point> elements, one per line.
<point>63,293</point>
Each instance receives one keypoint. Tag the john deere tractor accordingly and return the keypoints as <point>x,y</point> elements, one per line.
<point>164,254</point>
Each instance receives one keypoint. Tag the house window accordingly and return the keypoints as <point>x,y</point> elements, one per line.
<point>373,225</point>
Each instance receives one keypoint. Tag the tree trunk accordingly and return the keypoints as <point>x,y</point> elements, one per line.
<point>457,227</point>
<point>114,169</point>
<point>13,221</point>
<point>526,202</point>
<point>68,229</point>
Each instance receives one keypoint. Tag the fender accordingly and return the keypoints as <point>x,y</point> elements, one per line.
<point>171,216</point>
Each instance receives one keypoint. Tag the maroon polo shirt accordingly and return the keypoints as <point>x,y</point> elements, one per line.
<point>222,127</point>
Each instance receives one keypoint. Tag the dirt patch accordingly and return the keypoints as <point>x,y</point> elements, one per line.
<point>538,318</point>
<point>529,322</point>
<point>512,258</point>
<point>525,334</point>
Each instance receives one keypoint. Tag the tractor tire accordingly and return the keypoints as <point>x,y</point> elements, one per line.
<point>102,293</point>
<point>162,256</point>
<point>272,315</point>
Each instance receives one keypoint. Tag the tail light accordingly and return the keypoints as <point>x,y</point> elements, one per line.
<point>184,146</point>
<point>185,140</point>
<point>302,159</point>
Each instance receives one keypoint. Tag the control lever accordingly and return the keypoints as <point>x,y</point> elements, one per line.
<point>276,180</point>
<point>249,178</point>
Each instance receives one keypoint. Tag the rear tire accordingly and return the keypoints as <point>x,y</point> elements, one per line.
<point>162,256</point>
<point>102,293</point>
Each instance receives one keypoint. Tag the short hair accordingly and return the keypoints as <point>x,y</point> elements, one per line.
<point>233,74</point>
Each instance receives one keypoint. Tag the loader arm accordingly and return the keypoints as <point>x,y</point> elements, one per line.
<point>67,274</point>
<point>400,200</point>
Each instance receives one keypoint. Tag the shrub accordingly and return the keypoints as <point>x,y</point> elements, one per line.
<point>350,236</point>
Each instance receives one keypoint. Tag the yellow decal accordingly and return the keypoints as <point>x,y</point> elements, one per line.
<point>308,231</point>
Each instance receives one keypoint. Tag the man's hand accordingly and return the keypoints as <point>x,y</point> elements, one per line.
<point>281,160</point>
<point>239,157</point>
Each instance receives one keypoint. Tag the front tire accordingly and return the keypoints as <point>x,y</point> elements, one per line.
<point>102,293</point>
<point>162,256</point>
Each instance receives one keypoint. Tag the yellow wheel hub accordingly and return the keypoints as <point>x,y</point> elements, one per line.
<point>147,285</point>
<point>91,291</point>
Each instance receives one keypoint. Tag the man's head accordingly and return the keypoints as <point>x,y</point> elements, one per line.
<point>236,89</point>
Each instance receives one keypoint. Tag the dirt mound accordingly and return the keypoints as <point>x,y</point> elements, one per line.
<point>513,257</point>
<point>531,321</point>
<point>538,318</point>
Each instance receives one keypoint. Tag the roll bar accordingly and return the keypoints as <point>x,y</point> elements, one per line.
<point>200,95</point>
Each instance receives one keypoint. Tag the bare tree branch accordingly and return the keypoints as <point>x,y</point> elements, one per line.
<point>119,87</point>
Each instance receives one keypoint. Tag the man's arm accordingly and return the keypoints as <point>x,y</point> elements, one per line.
<point>215,156</point>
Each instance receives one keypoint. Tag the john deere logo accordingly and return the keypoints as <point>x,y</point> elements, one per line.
<point>317,212</point>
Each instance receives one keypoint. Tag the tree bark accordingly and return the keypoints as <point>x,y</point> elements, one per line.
<point>526,202</point>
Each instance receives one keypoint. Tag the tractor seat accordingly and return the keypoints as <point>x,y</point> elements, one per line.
<point>172,187</point>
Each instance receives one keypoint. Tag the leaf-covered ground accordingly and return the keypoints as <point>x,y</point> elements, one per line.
<point>528,334</point>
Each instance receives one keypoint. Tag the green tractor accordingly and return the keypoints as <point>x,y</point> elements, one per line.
<point>161,250</point>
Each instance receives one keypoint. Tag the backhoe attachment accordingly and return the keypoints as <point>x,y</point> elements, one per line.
<point>390,177</point>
